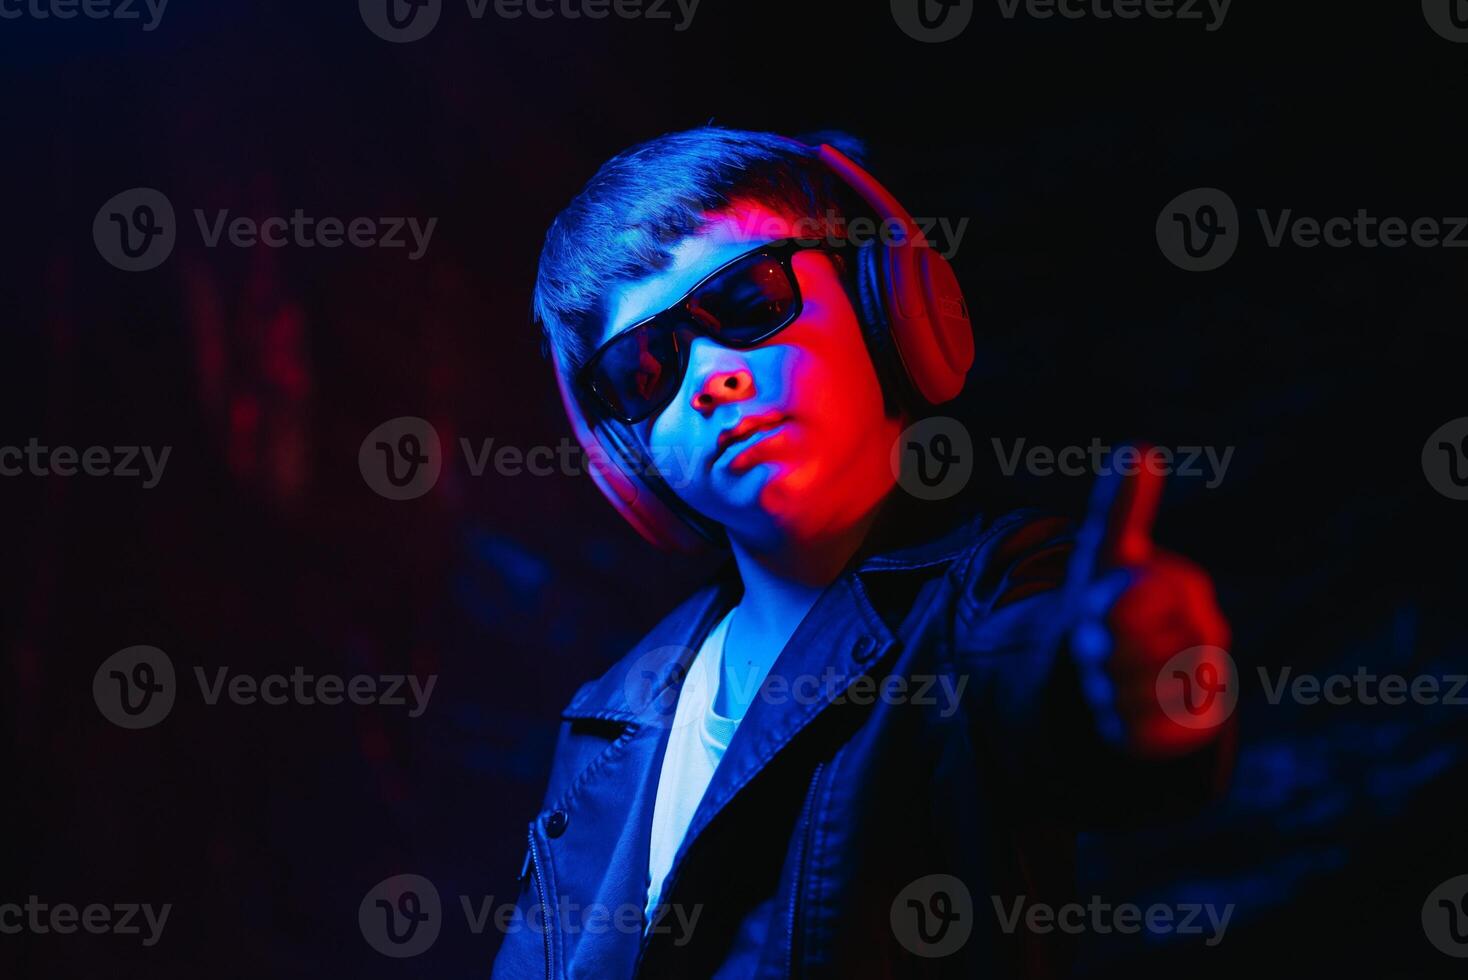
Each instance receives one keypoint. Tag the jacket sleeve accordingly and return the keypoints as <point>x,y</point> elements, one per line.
<point>1011,637</point>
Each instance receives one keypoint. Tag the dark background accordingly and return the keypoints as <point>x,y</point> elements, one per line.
<point>263,549</point>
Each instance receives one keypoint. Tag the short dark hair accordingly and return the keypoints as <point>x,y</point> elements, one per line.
<point>646,199</point>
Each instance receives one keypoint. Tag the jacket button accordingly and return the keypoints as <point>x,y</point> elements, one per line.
<point>864,648</point>
<point>555,824</point>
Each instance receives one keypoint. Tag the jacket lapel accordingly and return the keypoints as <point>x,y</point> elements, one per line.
<point>836,642</point>
<point>600,857</point>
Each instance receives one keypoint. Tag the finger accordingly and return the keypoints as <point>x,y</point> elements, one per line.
<point>1118,528</point>
<point>1132,513</point>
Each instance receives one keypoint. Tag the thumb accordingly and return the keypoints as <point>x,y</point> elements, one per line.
<point>1118,527</point>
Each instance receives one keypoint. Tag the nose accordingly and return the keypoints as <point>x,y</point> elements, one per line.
<point>718,387</point>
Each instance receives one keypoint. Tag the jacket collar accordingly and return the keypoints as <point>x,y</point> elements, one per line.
<point>643,687</point>
<point>841,638</point>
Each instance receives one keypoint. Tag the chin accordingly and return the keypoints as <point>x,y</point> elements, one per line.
<point>796,505</point>
<point>768,503</point>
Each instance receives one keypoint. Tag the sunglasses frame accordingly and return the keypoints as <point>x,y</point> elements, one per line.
<point>782,251</point>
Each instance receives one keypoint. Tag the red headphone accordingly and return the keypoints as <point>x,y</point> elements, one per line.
<point>908,291</point>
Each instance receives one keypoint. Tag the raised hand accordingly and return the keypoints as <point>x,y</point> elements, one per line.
<point>1151,641</point>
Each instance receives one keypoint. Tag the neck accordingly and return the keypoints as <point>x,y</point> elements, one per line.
<point>781,582</point>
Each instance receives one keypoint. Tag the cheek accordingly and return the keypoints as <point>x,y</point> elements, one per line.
<point>662,434</point>
<point>671,442</point>
<point>832,372</point>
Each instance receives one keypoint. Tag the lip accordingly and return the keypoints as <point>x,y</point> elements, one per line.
<point>744,429</point>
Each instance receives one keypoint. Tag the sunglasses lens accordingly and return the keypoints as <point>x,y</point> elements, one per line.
<point>638,372</point>
<point>745,303</point>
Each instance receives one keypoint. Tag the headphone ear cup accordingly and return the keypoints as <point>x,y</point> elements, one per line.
<point>947,312</point>
<point>871,294</point>
<point>930,321</point>
<point>921,301</point>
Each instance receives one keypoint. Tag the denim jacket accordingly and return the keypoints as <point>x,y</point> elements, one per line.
<point>925,719</point>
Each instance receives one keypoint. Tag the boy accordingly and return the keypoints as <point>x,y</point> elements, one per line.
<point>829,761</point>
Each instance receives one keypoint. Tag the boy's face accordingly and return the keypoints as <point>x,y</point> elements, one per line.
<point>815,459</point>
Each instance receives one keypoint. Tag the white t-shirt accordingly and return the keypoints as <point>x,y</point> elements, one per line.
<point>695,746</point>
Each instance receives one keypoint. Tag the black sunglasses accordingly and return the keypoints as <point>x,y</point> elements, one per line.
<point>740,304</point>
